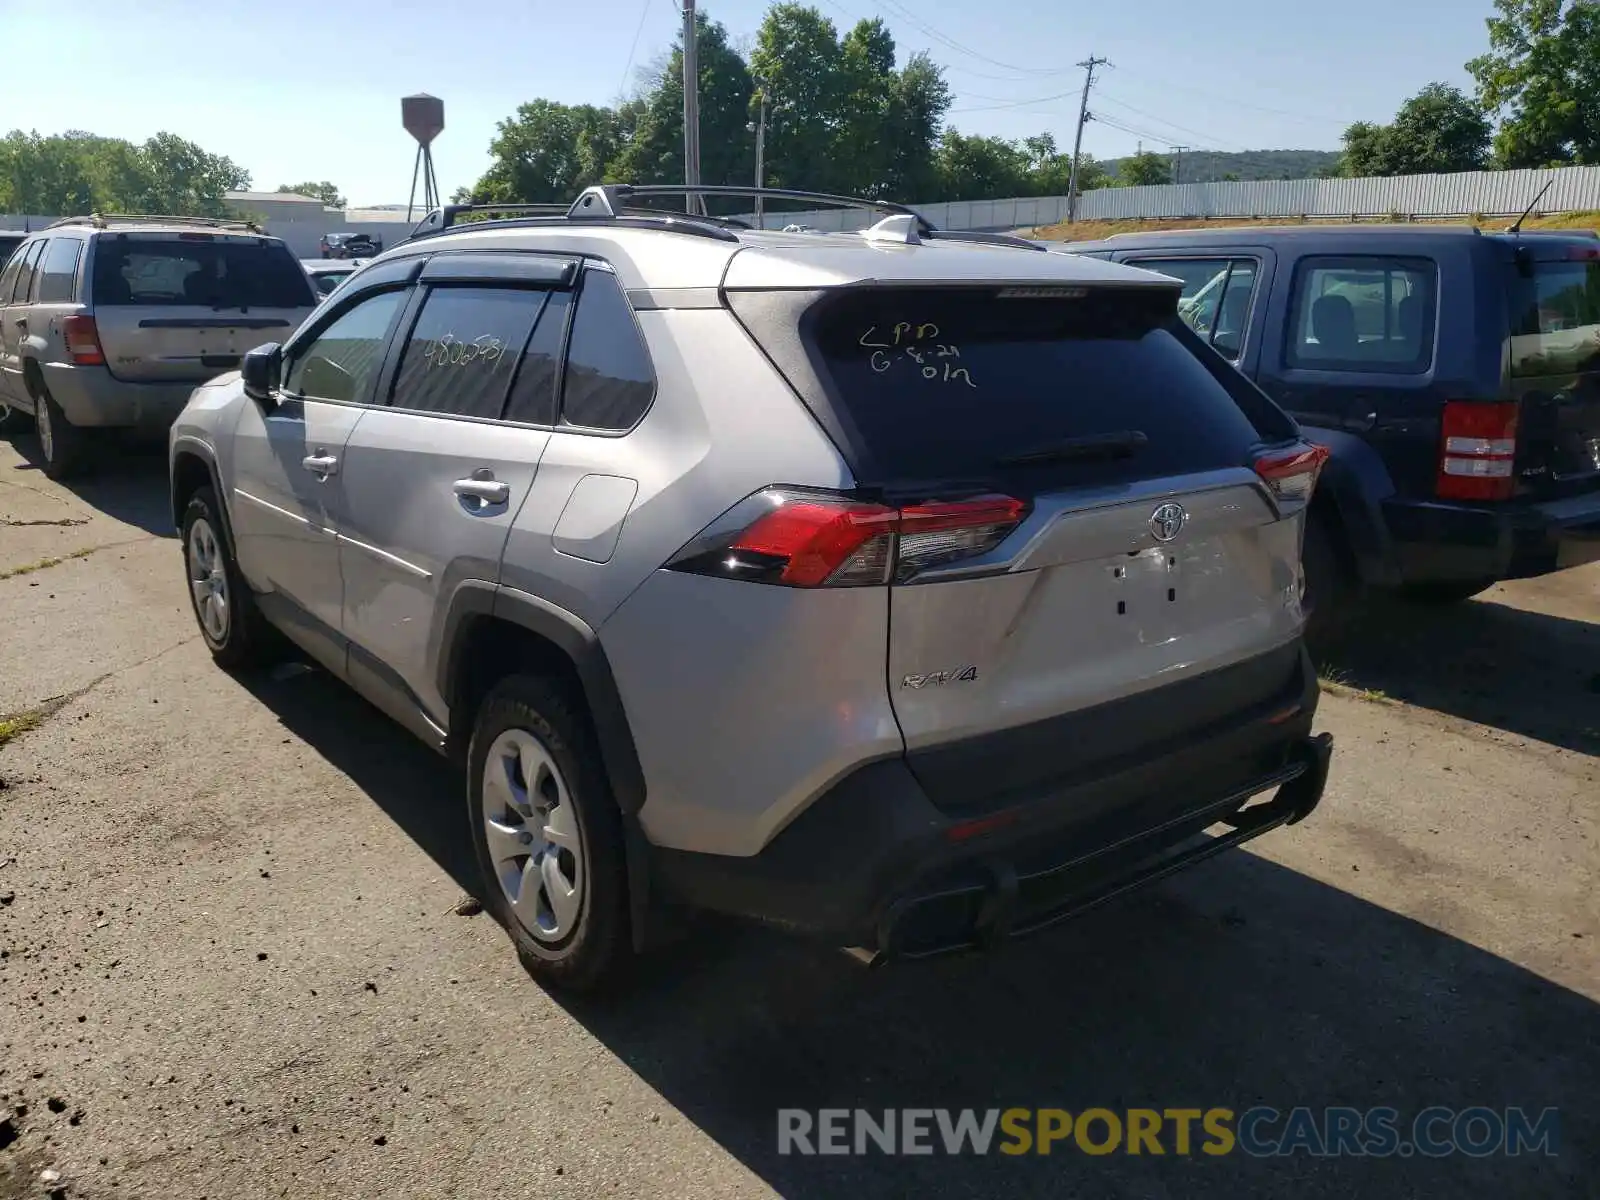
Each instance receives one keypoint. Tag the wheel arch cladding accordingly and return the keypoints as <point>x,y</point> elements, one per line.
<point>492,632</point>
<point>192,471</point>
<point>1354,484</point>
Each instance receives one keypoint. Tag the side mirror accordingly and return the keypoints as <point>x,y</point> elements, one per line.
<point>259,370</point>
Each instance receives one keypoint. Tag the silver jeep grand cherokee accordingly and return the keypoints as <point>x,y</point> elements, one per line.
<point>108,322</point>
<point>903,588</point>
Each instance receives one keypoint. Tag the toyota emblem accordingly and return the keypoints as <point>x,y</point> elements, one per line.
<point>1166,521</point>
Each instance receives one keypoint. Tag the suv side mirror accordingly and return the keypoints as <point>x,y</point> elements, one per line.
<point>259,370</point>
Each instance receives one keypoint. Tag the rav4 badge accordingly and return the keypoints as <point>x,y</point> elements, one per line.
<point>957,675</point>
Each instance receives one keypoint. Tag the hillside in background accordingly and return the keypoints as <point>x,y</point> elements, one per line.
<point>1209,166</point>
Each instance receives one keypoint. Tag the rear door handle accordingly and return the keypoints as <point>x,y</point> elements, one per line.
<point>489,491</point>
<point>320,464</point>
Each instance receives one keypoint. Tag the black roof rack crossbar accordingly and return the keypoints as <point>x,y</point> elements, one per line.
<point>987,239</point>
<point>605,197</point>
<point>666,222</point>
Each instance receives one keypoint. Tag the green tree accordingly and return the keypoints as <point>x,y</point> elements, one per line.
<point>324,191</point>
<point>650,126</point>
<point>547,152</point>
<point>980,168</point>
<point>183,179</point>
<point>1437,131</point>
<point>920,99</point>
<point>797,58</point>
<point>43,176</point>
<point>1542,76</point>
<point>1144,169</point>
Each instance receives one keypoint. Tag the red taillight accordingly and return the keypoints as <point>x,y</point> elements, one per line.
<point>1292,473</point>
<point>818,541</point>
<point>1477,449</point>
<point>1582,253</point>
<point>83,341</point>
<point>822,541</point>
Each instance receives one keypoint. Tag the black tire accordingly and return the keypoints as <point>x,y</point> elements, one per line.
<point>1332,590</point>
<point>246,640</point>
<point>1445,591</point>
<point>62,445</point>
<point>597,951</point>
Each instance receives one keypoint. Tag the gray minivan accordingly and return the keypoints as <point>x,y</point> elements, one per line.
<point>110,322</point>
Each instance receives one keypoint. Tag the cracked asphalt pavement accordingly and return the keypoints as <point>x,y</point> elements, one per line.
<point>231,963</point>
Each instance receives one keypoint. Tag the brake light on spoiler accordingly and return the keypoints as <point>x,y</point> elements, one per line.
<point>815,540</point>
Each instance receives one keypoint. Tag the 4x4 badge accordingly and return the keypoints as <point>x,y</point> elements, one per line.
<point>1167,520</point>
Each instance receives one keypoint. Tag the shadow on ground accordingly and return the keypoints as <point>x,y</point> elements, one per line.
<point>126,479</point>
<point>1525,672</point>
<point>1240,984</point>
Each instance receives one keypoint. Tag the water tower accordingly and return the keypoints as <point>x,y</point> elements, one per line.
<point>423,117</point>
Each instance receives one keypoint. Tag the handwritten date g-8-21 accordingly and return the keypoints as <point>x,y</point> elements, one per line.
<point>919,345</point>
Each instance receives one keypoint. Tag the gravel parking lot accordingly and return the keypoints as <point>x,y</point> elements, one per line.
<point>230,964</point>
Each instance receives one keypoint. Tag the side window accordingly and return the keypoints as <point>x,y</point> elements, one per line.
<point>8,277</point>
<point>341,362</point>
<point>1363,313</point>
<point>464,349</point>
<point>1216,296</point>
<point>24,285</point>
<point>533,392</point>
<point>609,382</point>
<point>59,270</point>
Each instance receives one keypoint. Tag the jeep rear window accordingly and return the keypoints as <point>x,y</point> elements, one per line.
<point>209,273</point>
<point>1555,318</point>
<point>946,383</point>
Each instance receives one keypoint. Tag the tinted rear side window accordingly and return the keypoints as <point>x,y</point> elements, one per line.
<point>609,381</point>
<point>945,384</point>
<point>58,273</point>
<point>27,262</point>
<point>196,270</point>
<point>1555,318</point>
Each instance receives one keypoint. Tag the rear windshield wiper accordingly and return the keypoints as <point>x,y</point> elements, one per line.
<point>1093,447</point>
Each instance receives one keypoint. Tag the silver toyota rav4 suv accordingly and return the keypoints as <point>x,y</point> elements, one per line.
<point>903,588</point>
<point>108,322</point>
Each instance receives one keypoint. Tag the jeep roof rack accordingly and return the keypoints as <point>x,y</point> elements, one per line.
<point>607,203</point>
<point>102,220</point>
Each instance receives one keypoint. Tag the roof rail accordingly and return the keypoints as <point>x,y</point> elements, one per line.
<point>101,220</point>
<point>603,198</point>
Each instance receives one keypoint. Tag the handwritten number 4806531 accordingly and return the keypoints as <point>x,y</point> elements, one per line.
<point>919,344</point>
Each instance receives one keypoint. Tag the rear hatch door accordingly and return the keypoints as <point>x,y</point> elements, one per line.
<point>1153,558</point>
<point>1554,368</point>
<point>185,306</point>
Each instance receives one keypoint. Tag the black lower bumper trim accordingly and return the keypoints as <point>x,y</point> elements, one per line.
<point>1014,906</point>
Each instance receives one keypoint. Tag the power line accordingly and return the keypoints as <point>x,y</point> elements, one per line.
<point>1237,103</point>
<point>644,11</point>
<point>958,47</point>
<point>1170,124</point>
<point>1012,104</point>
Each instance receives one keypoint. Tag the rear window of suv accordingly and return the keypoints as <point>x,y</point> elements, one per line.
<point>196,270</point>
<point>944,384</point>
<point>1555,318</point>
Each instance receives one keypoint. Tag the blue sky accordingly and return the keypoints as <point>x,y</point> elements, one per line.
<point>296,89</point>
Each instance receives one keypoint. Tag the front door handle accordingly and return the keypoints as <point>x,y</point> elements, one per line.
<point>320,464</point>
<point>488,491</point>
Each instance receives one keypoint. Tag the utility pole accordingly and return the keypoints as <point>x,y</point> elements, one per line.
<point>1177,164</point>
<point>691,107</point>
<point>1077,142</point>
<point>761,152</point>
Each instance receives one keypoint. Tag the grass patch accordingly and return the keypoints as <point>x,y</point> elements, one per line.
<point>1336,682</point>
<point>15,725</point>
<point>46,563</point>
<point>1084,231</point>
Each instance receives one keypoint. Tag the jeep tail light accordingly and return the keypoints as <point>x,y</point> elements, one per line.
<point>83,341</point>
<point>817,540</point>
<point>1292,474</point>
<point>1477,450</point>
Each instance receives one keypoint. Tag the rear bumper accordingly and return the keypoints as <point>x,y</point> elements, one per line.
<point>874,864</point>
<point>93,398</point>
<point>1438,542</point>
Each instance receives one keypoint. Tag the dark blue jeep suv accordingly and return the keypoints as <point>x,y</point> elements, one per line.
<point>1454,374</point>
